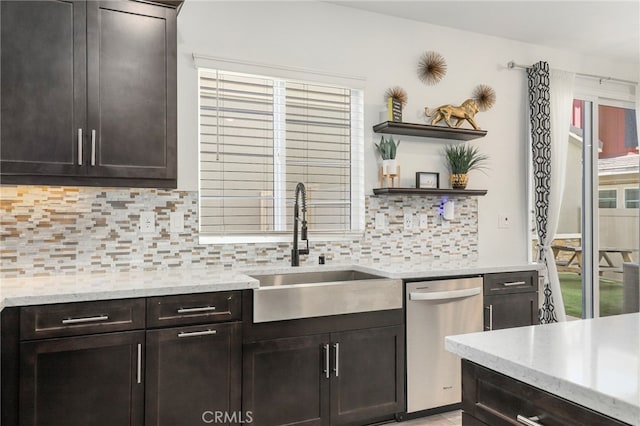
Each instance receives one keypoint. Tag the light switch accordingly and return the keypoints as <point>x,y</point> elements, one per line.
<point>424,221</point>
<point>503,221</point>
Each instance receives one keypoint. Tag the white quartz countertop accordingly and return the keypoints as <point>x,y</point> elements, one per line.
<point>25,291</point>
<point>594,363</point>
<point>118,285</point>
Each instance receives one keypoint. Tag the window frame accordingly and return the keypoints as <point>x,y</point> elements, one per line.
<point>636,200</point>
<point>356,85</point>
<point>614,198</point>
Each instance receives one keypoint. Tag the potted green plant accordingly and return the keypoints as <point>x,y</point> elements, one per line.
<point>461,159</point>
<point>388,148</point>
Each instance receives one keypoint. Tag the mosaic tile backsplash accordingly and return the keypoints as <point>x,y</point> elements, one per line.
<point>68,230</point>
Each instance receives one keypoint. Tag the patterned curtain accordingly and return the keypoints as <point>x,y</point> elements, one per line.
<point>549,165</point>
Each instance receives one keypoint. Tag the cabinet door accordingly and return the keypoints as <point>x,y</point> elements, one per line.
<point>131,90</point>
<point>43,86</point>
<point>79,381</point>
<point>193,373</point>
<point>285,381</point>
<point>367,382</point>
<point>510,310</point>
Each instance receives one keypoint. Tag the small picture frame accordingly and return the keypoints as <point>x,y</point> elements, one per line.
<point>427,180</point>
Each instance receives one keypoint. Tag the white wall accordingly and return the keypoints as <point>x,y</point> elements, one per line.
<point>385,50</point>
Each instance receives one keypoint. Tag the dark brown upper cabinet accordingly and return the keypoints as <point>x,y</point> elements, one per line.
<point>88,93</point>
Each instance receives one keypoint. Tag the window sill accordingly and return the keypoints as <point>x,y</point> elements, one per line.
<point>279,238</point>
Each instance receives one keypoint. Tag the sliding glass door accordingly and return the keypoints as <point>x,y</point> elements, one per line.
<point>617,207</point>
<point>596,244</point>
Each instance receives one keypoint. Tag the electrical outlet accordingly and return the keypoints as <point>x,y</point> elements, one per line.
<point>381,221</point>
<point>424,221</point>
<point>503,221</point>
<point>176,222</point>
<point>408,221</point>
<point>147,222</point>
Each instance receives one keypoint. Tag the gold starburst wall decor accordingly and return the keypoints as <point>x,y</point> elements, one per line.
<point>397,93</point>
<point>431,68</point>
<point>485,96</point>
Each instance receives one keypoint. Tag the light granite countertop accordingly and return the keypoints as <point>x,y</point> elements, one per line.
<point>118,285</point>
<point>25,291</point>
<point>594,363</point>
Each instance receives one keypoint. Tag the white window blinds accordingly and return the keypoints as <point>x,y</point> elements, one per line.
<point>259,137</point>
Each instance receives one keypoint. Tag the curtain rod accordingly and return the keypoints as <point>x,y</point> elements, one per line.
<point>512,65</point>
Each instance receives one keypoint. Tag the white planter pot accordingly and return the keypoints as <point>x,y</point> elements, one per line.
<point>390,167</point>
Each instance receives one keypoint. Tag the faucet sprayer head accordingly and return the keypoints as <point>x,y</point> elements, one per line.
<point>300,189</point>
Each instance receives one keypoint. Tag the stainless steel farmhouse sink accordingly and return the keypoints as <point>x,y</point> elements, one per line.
<point>314,294</point>
<point>312,277</point>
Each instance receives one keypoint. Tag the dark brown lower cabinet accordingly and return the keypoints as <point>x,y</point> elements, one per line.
<point>283,381</point>
<point>510,310</point>
<point>343,378</point>
<point>367,384</point>
<point>83,381</point>
<point>491,398</point>
<point>193,375</point>
<point>510,299</point>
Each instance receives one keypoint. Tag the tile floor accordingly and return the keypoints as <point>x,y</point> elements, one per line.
<point>452,418</point>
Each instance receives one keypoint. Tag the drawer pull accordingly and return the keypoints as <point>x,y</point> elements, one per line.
<point>196,333</point>
<point>200,309</point>
<point>514,283</point>
<point>84,320</point>
<point>529,421</point>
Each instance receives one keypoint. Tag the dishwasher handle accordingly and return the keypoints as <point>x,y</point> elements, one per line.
<point>445,295</point>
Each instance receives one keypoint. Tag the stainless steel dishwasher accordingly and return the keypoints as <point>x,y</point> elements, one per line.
<point>436,309</point>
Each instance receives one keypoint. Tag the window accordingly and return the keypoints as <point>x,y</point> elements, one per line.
<point>632,198</point>
<point>607,198</point>
<point>259,137</point>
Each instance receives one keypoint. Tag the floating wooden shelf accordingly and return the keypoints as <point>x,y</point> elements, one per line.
<point>428,191</point>
<point>428,131</point>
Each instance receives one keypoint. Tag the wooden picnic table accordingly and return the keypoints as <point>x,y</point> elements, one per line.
<point>574,263</point>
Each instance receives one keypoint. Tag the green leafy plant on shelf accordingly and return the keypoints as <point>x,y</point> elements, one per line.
<point>461,159</point>
<point>387,148</point>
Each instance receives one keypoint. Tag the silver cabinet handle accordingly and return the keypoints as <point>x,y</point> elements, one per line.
<point>85,319</point>
<point>196,333</point>
<point>336,366</point>
<point>93,147</point>
<point>139,374</point>
<point>490,308</point>
<point>80,147</point>
<point>511,284</point>
<point>200,309</point>
<point>529,421</point>
<point>326,361</point>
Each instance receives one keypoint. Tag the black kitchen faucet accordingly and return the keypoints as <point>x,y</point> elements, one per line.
<point>295,252</point>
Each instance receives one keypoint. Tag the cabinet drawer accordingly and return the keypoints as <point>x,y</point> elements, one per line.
<point>73,319</point>
<point>196,308</point>
<point>497,400</point>
<point>510,282</point>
